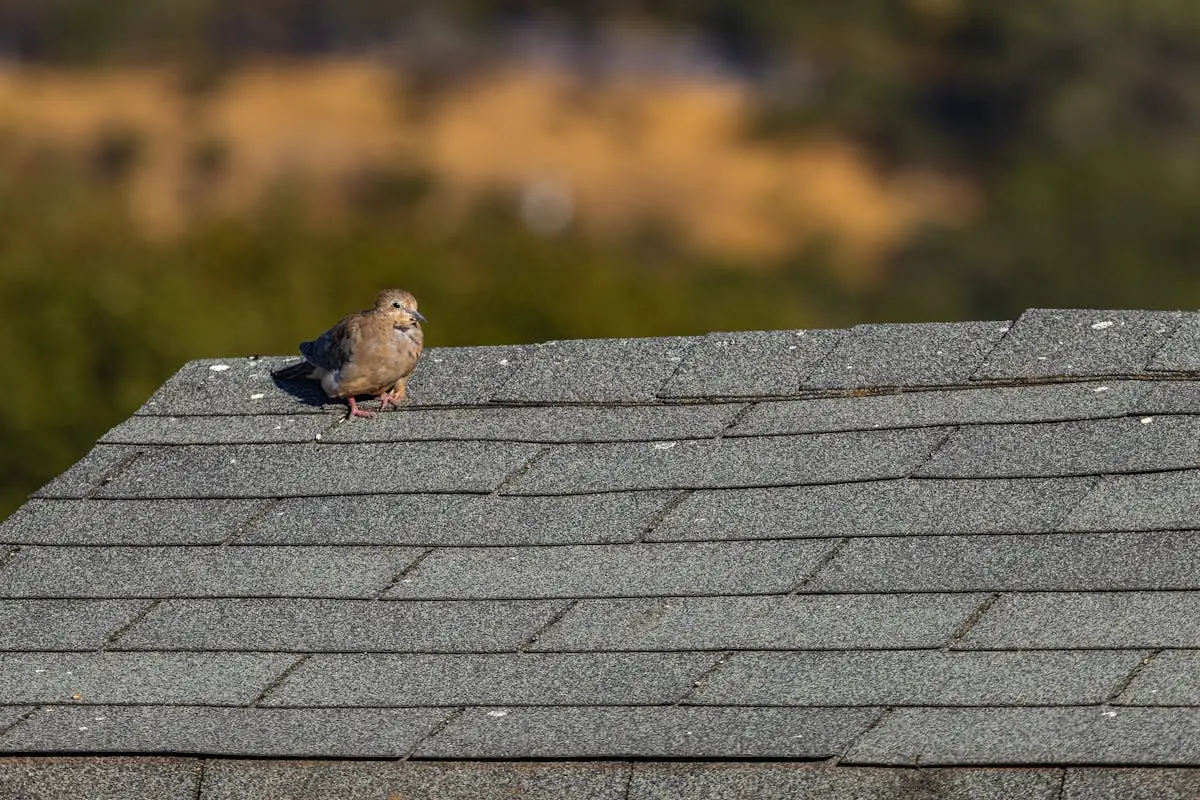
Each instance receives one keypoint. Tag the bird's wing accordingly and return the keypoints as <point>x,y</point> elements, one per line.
<point>335,348</point>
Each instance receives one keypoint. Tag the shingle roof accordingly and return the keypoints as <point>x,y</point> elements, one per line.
<point>951,560</point>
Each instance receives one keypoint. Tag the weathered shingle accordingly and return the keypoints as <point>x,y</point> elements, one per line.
<point>1182,351</point>
<point>98,779</point>
<point>750,363</point>
<point>120,522</point>
<point>1167,679</point>
<point>63,624</point>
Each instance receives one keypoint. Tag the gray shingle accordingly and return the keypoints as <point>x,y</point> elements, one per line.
<point>1155,501</point>
<point>90,472</point>
<point>667,732</point>
<point>236,386</point>
<point>490,679</point>
<point>1090,735</point>
<point>796,781</point>
<point>1091,619</point>
<point>275,470</point>
<point>750,363</point>
<point>99,779</point>
<point>203,571</point>
<point>160,678</point>
<point>1097,562</point>
<point>767,623</point>
<point>1131,784</point>
<point>458,519</point>
<point>62,624</point>
<point>338,732</point>
<point>922,354</point>
<point>1168,397</point>
<point>324,625</point>
<point>874,508</point>
<point>1056,342</point>
<point>761,461</point>
<point>612,570</point>
<point>1169,679</point>
<point>1092,447</point>
<point>11,715</point>
<point>595,370</point>
<point>358,780</point>
<point>449,376</point>
<point>545,424</point>
<point>105,522</point>
<point>218,430</point>
<point>917,677</point>
<point>1182,351</point>
<point>1068,401</point>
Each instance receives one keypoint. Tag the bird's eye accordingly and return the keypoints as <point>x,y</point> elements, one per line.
<point>396,304</point>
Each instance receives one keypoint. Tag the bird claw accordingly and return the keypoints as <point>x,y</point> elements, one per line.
<point>355,411</point>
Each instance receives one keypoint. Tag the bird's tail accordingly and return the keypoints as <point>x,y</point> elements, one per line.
<point>297,371</point>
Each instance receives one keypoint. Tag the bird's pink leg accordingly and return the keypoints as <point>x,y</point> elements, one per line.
<point>355,411</point>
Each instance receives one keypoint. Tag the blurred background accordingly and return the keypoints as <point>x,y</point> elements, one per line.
<point>217,177</point>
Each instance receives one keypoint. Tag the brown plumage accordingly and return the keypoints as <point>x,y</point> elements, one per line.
<point>371,352</point>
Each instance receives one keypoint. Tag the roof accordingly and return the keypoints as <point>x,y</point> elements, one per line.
<point>895,560</point>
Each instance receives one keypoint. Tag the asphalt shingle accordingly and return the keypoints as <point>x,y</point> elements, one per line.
<point>698,464</point>
<point>1131,784</point>
<point>91,472</point>
<point>275,470</point>
<point>1069,401</point>
<point>99,779</point>
<point>490,679</point>
<point>750,363</point>
<point>209,730</point>
<point>547,732</point>
<point>1062,562</point>
<point>917,677</point>
<point>1154,501</point>
<point>229,386</point>
<point>922,354</point>
<point>1082,735</point>
<point>874,508</point>
<point>90,572</point>
<point>791,781</point>
<point>1088,619</point>
<point>443,519</point>
<point>1168,397</point>
<point>1066,343</point>
<point>144,430</point>
<point>612,570</point>
<point>546,424</point>
<point>595,370</point>
<point>1168,679</point>
<point>118,522</point>
<point>326,625</point>
<point>162,678</point>
<point>794,622</point>
<point>1092,447</point>
<point>1182,351</point>
<point>63,624</point>
<point>237,780</point>
<point>448,376</point>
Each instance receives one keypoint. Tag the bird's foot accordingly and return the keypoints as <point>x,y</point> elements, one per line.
<point>355,411</point>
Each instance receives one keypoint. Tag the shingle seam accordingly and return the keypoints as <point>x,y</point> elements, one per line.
<point>700,681</point>
<point>279,679</point>
<point>972,619</point>
<point>200,764</point>
<point>542,629</point>
<point>112,474</point>
<point>984,359</point>
<point>1129,678</point>
<point>821,564</point>
<point>125,626</point>
<point>1059,525</point>
<point>659,516</point>
<point>399,576</point>
<point>819,364</point>
<point>932,454</point>
<point>516,474</point>
<point>884,713</point>
<point>248,524</point>
<point>433,731</point>
<point>736,420</point>
<point>1062,785</point>
<point>628,782</point>
<point>4,729</point>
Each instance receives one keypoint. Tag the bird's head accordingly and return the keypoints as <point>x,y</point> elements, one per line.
<point>400,306</point>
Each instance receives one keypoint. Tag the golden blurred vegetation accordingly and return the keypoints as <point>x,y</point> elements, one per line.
<point>210,178</point>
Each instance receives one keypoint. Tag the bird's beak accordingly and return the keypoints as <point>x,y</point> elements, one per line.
<point>417,314</point>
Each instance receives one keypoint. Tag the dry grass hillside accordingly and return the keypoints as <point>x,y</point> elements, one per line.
<point>616,157</point>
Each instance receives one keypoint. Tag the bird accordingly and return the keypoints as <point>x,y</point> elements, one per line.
<point>371,352</point>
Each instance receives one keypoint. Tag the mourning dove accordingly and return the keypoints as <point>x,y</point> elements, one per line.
<point>368,353</point>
